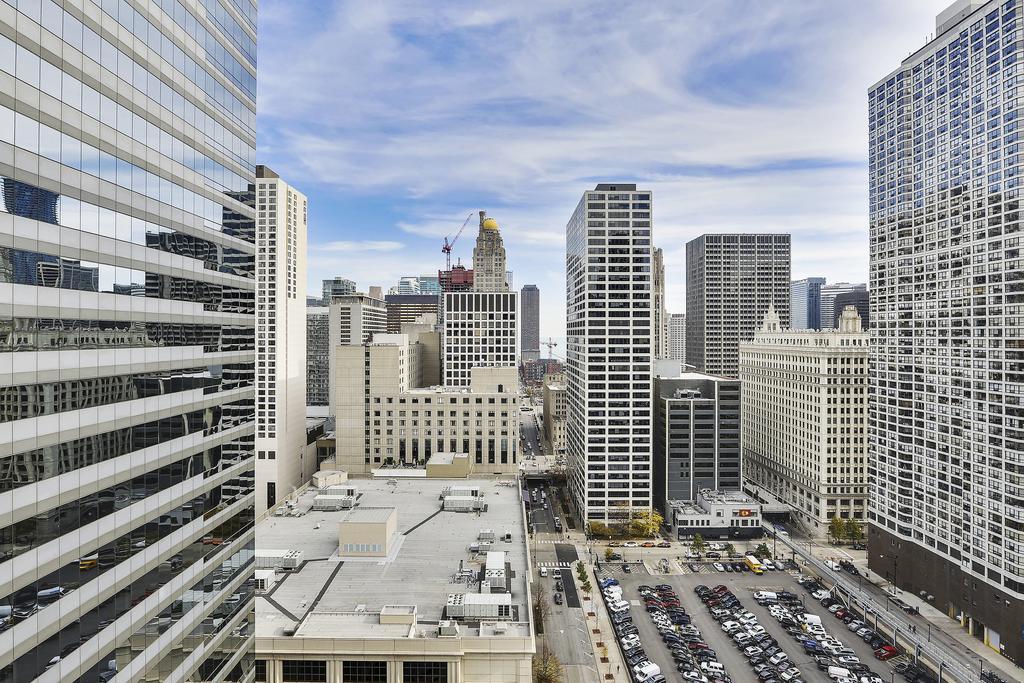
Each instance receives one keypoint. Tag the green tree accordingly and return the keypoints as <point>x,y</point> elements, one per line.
<point>836,529</point>
<point>852,530</point>
<point>608,552</point>
<point>645,523</point>
<point>762,551</point>
<point>599,530</point>
<point>547,668</point>
<point>730,549</point>
<point>698,545</point>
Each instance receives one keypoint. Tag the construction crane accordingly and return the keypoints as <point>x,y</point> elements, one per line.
<point>447,248</point>
<point>551,344</point>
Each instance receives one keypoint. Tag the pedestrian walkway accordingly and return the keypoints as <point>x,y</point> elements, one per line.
<point>564,565</point>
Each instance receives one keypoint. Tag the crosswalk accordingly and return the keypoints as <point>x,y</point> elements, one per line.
<point>564,565</point>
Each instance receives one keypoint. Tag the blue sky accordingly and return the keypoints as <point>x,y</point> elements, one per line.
<point>398,118</point>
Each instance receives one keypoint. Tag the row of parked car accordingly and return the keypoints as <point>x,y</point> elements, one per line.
<point>764,654</point>
<point>881,646</point>
<point>641,668</point>
<point>693,657</point>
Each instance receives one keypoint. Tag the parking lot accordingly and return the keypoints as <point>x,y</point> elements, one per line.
<point>742,585</point>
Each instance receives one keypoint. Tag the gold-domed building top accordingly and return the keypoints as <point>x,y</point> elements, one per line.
<point>489,224</point>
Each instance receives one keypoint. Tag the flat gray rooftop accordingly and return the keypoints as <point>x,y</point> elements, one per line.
<point>431,548</point>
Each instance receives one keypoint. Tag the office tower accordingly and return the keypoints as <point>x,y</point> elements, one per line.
<point>480,325</point>
<point>409,308</point>
<point>660,324</point>
<point>808,450</point>
<point>829,312</point>
<point>353,319</point>
<point>529,302</point>
<point>318,347</point>
<point>696,437</point>
<point>731,280</point>
<point>409,285</point>
<point>457,279</point>
<point>805,304</point>
<point>554,411</point>
<point>385,414</point>
<point>128,379</point>
<point>489,274</point>
<point>429,284</point>
<point>947,474</point>
<point>677,338</point>
<point>314,301</point>
<point>608,352</point>
<point>281,228</point>
<point>338,286</point>
<point>375,292</point>
<point>508,278</point>
<point>860,300</point>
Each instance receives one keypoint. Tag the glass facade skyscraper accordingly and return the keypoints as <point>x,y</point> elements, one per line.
<point>127,330</point>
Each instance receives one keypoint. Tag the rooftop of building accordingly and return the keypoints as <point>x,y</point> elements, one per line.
<point>708,497</point>
<point>329,596</point>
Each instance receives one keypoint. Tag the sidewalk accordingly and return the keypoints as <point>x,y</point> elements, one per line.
<point>601,622</point>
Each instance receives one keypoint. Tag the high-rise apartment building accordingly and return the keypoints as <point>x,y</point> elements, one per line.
<point>353,319</point>
<point>281,228</point>
<point>318,345</point>
<point>554,411</point>
<point>805,304</point>
<point>731,280</point>
<point>409,308</point>
<point>127,341</point>
<point>696,437</point>
<point>660,319</point>
<point>948,479</point>
<point>480,325</point>
<point>805,395</point>
<point>677,338</point>
<point>529,303</point>
<point>609,352</point>
<point>829,312</point>
<point>338,286</point>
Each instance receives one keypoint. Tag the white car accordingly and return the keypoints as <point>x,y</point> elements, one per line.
<point>778,658</point>
<point>848,659</point>
<point>835,608</point>
<point>730,626</point>
<point>630,544</point>
<point>755,630</point>
<point>718,567</point>
<point>819,594</point>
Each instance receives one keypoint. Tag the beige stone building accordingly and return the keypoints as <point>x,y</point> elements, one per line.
<point>386,415</point>
<point>804,419</point>
<point>554,412</point>
<point>445,597</point>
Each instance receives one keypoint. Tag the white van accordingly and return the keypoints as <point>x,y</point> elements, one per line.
<point>543,571</point>
<point>838,672</point>
<point>764,596</point>
<point>833,565</point>
<point>643,672</point>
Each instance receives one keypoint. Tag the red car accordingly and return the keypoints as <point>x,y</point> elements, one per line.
<point>841,613</point>
<point>886,652</point>
<point>647,544</point>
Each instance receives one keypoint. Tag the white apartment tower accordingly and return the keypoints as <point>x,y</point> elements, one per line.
<point>609,351</point>
<point>661,319</point>
<point>677,338</point>
<point>281,228</point>
<point>947,504</point>
<point>481,325</point>
<point>127,340</point>
<point>804,419</point>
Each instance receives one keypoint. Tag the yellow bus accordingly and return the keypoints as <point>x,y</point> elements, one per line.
<point>754,565</point>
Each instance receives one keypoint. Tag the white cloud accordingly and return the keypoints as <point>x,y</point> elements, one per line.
<point>520,107</point>
<point>357,245</point>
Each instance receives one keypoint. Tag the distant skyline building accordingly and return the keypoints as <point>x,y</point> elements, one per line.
<point>660,312</point>
<point>947,517</point>
<point>457,279</point>
<point>408,308</point>
<point>429,284</point>
<point>609,352</point>
<point>318,345</point>
<point>409,284</point>
<point>860,299</point>
<point>481,326</point>
<point>805,304</point>
<point>529,303</point>
<point>677,338</point>
<point>696,437</point>
<point>281,229</point>
<point>128,378</point>
<point>731,280</point>
<point>829,313</point>
<point>337,286</point>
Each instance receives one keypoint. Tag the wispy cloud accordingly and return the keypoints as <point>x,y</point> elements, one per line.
<point>361,246</point>
<point>398,118</point>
